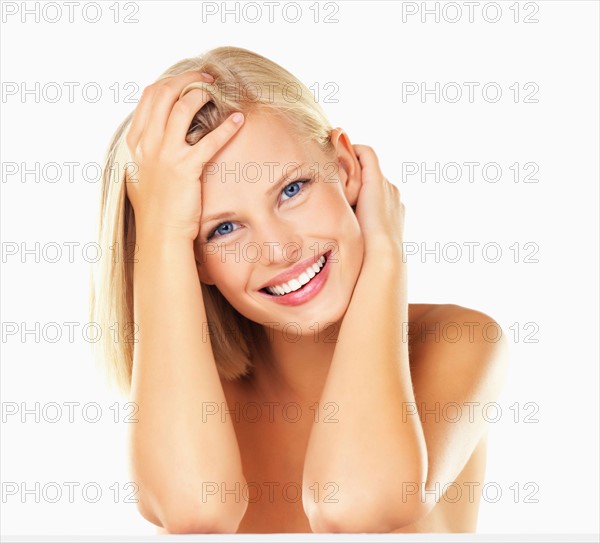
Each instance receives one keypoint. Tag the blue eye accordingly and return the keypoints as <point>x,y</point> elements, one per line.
<point>300,182</point>
<point>222,226</point>
<point>293,184</point>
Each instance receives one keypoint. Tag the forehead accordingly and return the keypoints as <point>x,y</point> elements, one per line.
<point>266,139</point>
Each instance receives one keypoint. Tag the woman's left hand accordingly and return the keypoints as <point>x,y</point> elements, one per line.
<point>379,209</point>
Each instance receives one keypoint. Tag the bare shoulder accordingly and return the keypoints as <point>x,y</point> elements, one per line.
<point>436,320</point>
<point>458,358</point>
<point>418,312</point>
<point>455,346</point>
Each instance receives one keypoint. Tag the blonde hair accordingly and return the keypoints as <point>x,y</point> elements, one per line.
<point>243,81</point>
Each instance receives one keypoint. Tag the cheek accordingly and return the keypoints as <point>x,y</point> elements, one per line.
<point>339,223</point>
<point>228,271</point>
<point>341,216</point>
<point>231,274</point>
<point>330,207</point>
<point>223,270</point>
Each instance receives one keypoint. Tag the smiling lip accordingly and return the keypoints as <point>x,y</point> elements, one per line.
<point>306,292</point>
<point>293,272</point>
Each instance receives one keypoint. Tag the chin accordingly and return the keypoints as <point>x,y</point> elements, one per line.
<point>310,320</point>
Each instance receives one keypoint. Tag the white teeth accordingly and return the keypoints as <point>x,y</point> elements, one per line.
<point>301,280</point>
<point>294,284</point>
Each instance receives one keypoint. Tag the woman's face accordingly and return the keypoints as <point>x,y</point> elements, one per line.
<point>273,226</point>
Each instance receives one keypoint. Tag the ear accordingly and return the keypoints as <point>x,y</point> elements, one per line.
<point>348,165</point>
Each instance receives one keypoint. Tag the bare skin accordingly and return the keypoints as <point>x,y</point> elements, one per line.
<point>371,359</point>
<point>273,450</point>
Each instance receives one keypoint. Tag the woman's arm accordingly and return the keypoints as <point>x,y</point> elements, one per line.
<point>370,452</point>
<point>181,460</point>
<point>379,456</point>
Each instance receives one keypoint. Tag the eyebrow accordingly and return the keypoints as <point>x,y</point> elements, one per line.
<point>277,185</point>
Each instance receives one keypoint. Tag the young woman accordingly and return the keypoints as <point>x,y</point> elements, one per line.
<point>284,384</point>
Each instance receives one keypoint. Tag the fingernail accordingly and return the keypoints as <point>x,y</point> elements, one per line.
<point>237,118</point>
<point>208,77</point>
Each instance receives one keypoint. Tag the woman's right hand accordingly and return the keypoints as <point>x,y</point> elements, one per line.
<point>163,184</point>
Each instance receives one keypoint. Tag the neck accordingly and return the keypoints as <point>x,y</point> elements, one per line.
<point>296,368</point>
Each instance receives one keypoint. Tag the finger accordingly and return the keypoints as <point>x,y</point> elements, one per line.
<point>142,112</point>
<point>369,163</point>
<point>210,144</point>
<point>164,98</point>
<point>182,114</point>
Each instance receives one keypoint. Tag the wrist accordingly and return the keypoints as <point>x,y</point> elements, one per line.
<point>155,225</point>
<point>384,251</point>
<point>161,234</point>
<point>160,244</point>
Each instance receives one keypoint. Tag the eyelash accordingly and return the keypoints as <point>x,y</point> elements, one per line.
<point>303,182</point>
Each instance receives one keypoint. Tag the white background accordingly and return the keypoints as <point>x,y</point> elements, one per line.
<point>369,53</point>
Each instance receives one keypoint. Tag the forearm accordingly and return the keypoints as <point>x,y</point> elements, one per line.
<point>371,451</point>
<point>176,455</point>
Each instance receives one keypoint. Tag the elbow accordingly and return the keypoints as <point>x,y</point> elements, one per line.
<point>184,504</point>
<point>185,524</point>
<point>328,519</point>
<point>383,516</point>
<point>190,516</point>
<point>357,520</point>
<point>380,512</point>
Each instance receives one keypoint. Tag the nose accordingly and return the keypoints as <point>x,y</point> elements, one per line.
<point>280,242</point>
